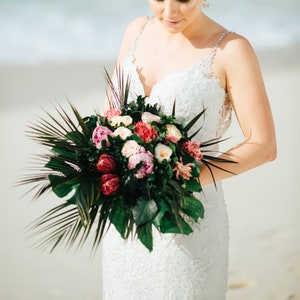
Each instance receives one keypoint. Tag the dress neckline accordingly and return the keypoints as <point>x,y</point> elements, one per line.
<point>205,60</point>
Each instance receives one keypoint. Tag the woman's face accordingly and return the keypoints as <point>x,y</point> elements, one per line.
<point>176,15</point>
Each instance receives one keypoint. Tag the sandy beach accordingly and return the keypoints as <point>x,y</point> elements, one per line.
<point>263,204</point>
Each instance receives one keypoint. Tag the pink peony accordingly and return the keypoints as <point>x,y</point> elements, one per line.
<point>110,183</point>
<point>147,167</point>
<point>109,114</point>
<point>106,163</point>
<point>145,131</point>
<point>193,149</point>
<point>100,134</point>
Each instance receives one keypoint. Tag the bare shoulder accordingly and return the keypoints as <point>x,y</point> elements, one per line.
<point>133,28</point>
<point>131,32</point>
<point>135,25</point>
<point>236,49</point>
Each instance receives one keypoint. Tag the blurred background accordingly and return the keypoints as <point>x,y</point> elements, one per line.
<point>35,31</point>
<point>51,51</point>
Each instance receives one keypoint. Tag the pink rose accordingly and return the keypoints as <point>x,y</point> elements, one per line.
<point>145,131</point>
<point>193,149</point>
<point>147,163</point>
<point>173,133</point>
<point>106,163</point>
<point>100,134</point>
<point>114,112</point>
<point>147,117</point>
<point>110,183</point>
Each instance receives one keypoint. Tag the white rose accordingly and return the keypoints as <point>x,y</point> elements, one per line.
<point>162,152</point>
<point>147,117</point>
<point>118,120</point>
<point>122,132</point>
<point>173,133</point>
<point>131,147</point>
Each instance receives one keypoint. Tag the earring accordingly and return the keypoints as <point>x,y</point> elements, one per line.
<point>205,4</point>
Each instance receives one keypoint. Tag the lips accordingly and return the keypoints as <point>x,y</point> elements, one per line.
<point>172,22</point>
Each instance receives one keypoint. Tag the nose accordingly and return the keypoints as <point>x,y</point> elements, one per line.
<point>170,8</point>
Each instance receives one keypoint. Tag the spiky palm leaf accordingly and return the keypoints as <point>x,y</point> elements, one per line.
<point>64,173</point>
<point>118,92</point>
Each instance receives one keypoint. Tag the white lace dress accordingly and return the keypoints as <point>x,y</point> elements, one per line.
<point>180,267</point>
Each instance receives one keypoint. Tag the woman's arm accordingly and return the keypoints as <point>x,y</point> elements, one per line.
<point>250,102</point>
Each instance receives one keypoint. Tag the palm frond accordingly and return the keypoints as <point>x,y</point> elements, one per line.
<point>119,94</point>
<point>194,120</point>
<point>174,109</point>
<point>213,142</point>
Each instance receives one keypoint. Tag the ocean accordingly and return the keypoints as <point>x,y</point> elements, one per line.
<point>35,31</point>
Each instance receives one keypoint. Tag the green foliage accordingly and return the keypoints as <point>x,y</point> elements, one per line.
<point>144,211</point>
<point>159,201</point>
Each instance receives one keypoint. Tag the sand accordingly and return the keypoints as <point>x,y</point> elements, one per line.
<point>263,204</point>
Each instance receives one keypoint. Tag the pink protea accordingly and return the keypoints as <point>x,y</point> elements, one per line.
<point>147,163</point>
<point>193,149</point>
<point>183,170</point>
<point>100,134</point>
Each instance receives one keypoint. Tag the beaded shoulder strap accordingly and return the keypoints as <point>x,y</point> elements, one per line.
<point>133,46</point>
<point>219,41</point>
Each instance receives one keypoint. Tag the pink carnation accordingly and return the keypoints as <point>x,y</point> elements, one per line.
<point>147,167</point>
<point>193,149</point>
<point>100,134</point>
<point>113,112</point>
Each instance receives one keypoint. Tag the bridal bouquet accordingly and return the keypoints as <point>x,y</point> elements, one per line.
<point>133,167</point>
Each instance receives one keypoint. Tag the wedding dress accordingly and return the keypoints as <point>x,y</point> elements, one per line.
<point>180,267</point>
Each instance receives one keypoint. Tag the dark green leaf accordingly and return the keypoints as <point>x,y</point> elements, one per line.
<point>192,185</point>
<point>163,208</point>
<point>169,225</point>
<point>59,186</point>
<point>119,218</point>
<point>193,207</point>
<point>144,233</point>
<point>144,211</point>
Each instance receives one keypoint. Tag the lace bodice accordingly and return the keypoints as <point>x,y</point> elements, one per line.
<point>194,89</point>
<point>180,267</point>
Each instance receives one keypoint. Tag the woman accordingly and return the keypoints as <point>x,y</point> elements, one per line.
<point>182,54</point>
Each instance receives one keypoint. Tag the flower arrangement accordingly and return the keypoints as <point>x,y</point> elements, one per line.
<point>133,167</point>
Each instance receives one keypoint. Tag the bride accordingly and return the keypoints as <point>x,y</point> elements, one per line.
<point>182,54</point>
